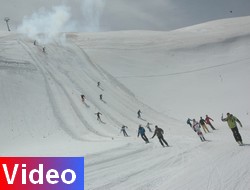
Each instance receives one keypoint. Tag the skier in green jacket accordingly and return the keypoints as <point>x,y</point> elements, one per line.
<point>231,121</point>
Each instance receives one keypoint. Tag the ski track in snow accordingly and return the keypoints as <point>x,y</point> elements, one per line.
<point>54,74</point>
<point>158,167</point>
<point>188,72</point>
<point>50,92</point>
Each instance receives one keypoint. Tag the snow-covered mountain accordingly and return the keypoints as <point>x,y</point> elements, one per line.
<point>169,76</point>
<point>197,65</point>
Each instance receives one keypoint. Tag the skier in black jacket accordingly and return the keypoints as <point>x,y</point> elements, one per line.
<point>203,124</point>
<point>98,116</point>
<point>123,129</point>
<point>159,132</point>
<point>189,122</point>
<point>139,114</point>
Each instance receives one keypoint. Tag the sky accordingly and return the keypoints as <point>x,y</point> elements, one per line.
<point>113,15</point>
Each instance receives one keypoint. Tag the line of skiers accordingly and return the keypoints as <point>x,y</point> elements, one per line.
<point>142,132</point>
<point>195,125</point>
<point>98,114</point>
<point>203,123</point>
<point>158,132</point>
<point>230,119</point>
<point>82,96</point>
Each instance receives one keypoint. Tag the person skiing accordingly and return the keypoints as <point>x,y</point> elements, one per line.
<point>83,98</point>
<point>203,124</point>
<point>196,127</point>
<point>148,126</point>
<point>231,121</point>
<point>159,132</point>
<point>100,96</point>
<point>189,122</point>
<point>44,50</point>
<point>123,129</point>
<point>139,114</point>
<point>98,84</point>
<point>207,120</point>
<point>98,116</point>
<point>141,131</point>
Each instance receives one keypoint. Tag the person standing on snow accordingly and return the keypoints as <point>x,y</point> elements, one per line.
<point>141,131</point>
<point>139,114</point>
<point>159,132</point>
<point>189,122</point>
<point>196,127</point>
<point>98,116</point>
<point>231,121</point>
<point>123,129</point>
<point>203,124</point>
<point>98,84</point>
<point>148,126</point>
<point>83,98</point>
<point>207,120</point>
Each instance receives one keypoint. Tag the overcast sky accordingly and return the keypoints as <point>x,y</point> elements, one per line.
<point>129,14</point>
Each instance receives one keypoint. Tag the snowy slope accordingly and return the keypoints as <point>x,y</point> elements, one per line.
<point>173,72</point>
<point>50,85</point>
<point>190,72</point>
<point>206,64</point>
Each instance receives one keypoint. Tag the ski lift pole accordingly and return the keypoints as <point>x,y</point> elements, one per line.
<point>6,19</point>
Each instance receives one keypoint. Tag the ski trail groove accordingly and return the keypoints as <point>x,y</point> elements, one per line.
<point>62,122</point>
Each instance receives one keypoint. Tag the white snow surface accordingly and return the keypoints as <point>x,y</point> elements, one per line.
<point>169,76</point>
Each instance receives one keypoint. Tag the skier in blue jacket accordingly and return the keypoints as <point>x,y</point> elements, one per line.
<point>141,131</point>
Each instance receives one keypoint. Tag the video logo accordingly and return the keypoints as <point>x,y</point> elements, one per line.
<point>41,173</point>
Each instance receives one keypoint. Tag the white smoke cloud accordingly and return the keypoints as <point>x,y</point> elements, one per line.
<point>46,26</point>
<point>92,11</point>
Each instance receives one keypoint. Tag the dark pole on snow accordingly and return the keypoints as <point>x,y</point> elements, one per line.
<point>6,19</point>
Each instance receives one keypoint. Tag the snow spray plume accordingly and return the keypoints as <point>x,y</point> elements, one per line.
<point>92,10</point>
<point>45,26</point>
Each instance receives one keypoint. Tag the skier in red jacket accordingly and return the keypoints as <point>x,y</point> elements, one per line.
<point>207,120</point>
